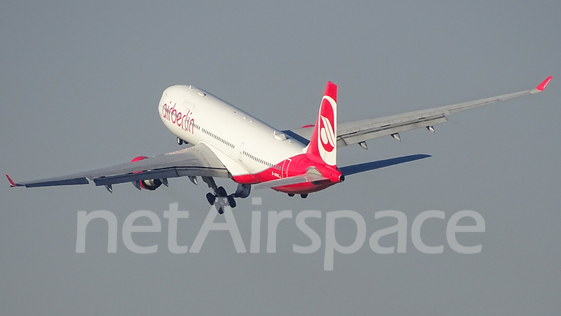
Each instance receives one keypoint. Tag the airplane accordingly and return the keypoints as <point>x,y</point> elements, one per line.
<point>230,143</point>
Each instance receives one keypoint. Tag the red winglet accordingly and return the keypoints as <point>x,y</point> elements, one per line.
<point>544,84</point>
<point>12,183</point>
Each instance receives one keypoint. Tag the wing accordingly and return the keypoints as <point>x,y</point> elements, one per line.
<point>359,131</point>
<point>198,160</point>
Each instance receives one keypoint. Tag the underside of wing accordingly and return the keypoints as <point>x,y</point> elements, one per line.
<point>362,130</point>
<point>198,160</point>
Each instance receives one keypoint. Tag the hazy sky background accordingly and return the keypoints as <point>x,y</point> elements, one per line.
<point>79,87</point>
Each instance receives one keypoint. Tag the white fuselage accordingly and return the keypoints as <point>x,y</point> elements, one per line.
<point>243,143</point>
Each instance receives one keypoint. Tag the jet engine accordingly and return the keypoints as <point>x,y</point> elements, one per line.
<point>148,184</point>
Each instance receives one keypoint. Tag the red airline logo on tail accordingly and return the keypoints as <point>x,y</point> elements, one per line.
<point>323,144</point>
<point>326,127</point>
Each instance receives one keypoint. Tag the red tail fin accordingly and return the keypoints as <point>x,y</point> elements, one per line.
<point>323,144</point>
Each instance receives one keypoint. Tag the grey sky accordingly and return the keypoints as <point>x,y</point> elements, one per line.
<point>80,84</point>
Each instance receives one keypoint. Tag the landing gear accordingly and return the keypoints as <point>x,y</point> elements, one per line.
<point>220,198</point>
<point>304,195</point>
<point>221,192</point>
<point>242,191</point>
<point>231,201</point>
<point>181,141</point>
<point>291,194</point>
<point>210,198</point>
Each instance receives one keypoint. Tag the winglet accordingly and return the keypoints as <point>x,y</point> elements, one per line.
<point>544,84</point>
<point>12,183</point>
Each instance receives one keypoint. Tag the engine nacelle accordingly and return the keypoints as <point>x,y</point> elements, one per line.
<point>148,184</point>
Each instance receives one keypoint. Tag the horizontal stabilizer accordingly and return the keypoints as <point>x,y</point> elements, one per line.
<point>367,166</point>
<point>288,181</point>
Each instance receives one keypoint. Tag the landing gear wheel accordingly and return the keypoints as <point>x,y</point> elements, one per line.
<point>221,210</point>
<point>221,192</point>
<point>304,195</point>
<point>210,198</point>
<point>291,194</point>
<point>179,141</point>
<point>231,201</point>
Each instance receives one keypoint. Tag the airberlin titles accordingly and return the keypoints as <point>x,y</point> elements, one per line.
<point>183,120</point>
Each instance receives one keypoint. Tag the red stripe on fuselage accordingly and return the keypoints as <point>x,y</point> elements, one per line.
<point>298,165</point>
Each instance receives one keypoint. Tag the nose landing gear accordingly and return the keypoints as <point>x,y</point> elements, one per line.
<point>181,141</point>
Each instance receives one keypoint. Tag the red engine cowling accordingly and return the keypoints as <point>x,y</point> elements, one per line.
<point>148,184</point>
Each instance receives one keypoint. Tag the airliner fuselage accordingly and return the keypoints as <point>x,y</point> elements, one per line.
<point>252,150</point>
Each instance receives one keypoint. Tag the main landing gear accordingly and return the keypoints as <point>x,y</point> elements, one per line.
<point>305,195</point>
<point>220,199</point>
